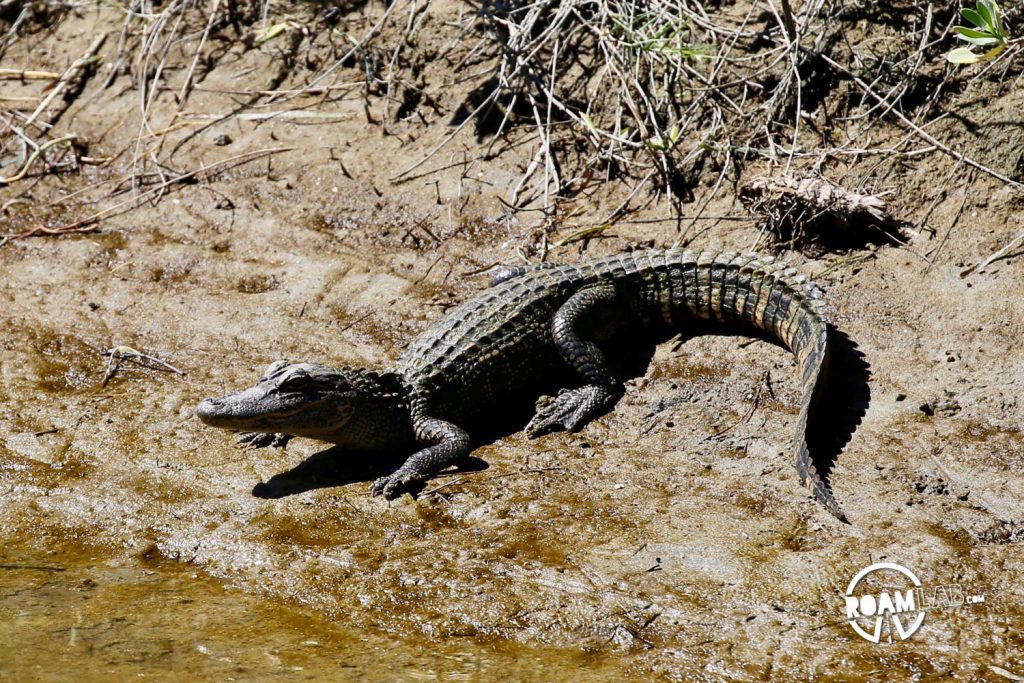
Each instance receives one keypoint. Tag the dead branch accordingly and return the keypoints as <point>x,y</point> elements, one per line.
<point>799,211</point>
<point>88,224</point>
<point>65,81</point>
<point>920,132</point>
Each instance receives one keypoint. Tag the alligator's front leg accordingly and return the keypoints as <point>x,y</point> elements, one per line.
<point>592,309</point>
<point>446,445</point>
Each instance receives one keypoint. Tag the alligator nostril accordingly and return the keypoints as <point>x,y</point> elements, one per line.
<point>207,407</point>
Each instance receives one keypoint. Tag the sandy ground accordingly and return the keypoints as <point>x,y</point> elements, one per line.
<point>671,534</point>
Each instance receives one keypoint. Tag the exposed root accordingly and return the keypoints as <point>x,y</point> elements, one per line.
<point>812,212</point>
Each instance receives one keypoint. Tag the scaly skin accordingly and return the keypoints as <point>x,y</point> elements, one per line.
<point>532,324</point>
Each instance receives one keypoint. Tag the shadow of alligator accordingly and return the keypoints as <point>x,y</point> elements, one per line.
<point>337,466</point>
<point>842,405</point>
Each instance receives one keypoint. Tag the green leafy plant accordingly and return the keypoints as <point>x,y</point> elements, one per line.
<point>987,32</point>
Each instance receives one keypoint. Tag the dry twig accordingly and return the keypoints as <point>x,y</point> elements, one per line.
<point>65,81</point>
<point>119,353</point>
<point>27,75</point>
<point>36,153</point>
<point>920,132</point>
<point>89,224</point>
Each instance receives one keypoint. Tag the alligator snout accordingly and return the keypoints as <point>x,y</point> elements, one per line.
<point>209,410</point>
<point>244,410</point>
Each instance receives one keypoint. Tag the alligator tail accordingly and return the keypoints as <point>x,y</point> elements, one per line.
<point>812,355</point>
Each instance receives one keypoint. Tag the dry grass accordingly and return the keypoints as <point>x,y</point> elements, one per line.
<point>674,98</point>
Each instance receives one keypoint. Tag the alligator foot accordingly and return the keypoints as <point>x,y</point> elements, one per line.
<point>570,410</point>
<point>396,483</point>
<point>261,440</point>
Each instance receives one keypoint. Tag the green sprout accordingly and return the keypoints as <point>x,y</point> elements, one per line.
<point>650,35</point>
<point>988,32</point>
<point>664,144</point>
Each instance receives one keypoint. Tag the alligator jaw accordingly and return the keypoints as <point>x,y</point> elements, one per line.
<point>247,410</point>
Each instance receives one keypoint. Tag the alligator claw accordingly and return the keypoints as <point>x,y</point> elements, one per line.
<point>395,484</point>
<point>570,410</point>
<point>261,440</point>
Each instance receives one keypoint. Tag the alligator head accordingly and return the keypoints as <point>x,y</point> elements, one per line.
<point>349,406</point>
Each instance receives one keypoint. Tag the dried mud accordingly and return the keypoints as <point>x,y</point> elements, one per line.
<point>668,539</point>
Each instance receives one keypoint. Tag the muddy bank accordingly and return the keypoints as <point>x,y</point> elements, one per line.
<point>669,539</point>
<point>672,530</point>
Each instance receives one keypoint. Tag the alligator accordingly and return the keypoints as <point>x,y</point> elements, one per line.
<point>533,324</point>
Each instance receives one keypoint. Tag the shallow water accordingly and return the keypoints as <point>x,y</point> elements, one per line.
<point>71,615</point>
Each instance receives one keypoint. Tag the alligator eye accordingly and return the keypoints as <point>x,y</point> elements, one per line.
<point>275,369</point>
<point>297,381</point>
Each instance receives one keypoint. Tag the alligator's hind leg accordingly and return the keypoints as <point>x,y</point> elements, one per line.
<point>591,311</point>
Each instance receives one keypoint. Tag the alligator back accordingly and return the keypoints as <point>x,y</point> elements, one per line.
<point>499,344</point>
